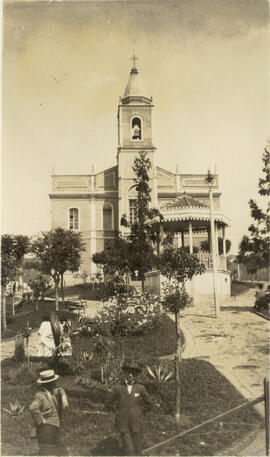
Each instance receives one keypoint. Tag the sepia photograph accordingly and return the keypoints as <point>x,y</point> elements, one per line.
<point>135,284</point>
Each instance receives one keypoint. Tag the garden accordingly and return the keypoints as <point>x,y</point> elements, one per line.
<point>128,326</point>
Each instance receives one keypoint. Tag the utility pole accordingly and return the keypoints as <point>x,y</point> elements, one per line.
<point>210,180</point>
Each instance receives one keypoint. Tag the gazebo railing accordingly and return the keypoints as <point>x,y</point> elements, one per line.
<point>208,261</point>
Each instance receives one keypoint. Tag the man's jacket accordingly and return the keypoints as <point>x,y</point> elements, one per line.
<point>45,407</point>
<point>129,407</point>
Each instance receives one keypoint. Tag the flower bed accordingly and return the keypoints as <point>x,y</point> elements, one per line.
<point>129,313</point>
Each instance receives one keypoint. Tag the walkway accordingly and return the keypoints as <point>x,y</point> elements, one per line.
<point>237,344</point>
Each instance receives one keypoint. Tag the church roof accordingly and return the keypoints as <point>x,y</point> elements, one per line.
<point>184,201</point>
<point>135,86</point>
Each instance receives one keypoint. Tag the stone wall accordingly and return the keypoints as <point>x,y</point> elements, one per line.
<point>200,288</point>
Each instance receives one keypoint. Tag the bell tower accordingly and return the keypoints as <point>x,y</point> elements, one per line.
<point>134,135</point>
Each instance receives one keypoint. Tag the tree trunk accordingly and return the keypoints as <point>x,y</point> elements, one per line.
<point>62,289</point>
<point>13,305</point>
<point>143,283</point>
<point>36,303</point>
<point>57,294</point>
<point>177,369</point>
<point>127,279</point>
<point>4,310</point>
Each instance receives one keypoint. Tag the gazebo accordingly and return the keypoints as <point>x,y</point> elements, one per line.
<point>188,218</point>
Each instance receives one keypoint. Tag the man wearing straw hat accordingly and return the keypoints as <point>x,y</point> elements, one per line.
<point>46,410</point>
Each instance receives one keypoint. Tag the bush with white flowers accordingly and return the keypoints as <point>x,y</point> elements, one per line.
<point>130,313</point>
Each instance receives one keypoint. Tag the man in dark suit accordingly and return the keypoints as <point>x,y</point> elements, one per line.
<point>129,400</point>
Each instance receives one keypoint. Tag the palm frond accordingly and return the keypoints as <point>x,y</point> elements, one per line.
<point>150,372</point>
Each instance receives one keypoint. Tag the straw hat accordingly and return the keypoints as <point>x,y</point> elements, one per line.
<point>47,376</point>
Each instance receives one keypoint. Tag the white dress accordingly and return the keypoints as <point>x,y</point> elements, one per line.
<point>46,346</point>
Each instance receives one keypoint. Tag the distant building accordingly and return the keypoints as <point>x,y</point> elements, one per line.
<point>94,203</point>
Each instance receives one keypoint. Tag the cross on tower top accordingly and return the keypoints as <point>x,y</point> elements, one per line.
<point>134,58</point>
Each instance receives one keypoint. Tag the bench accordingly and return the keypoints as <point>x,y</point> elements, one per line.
<point>78,306</point>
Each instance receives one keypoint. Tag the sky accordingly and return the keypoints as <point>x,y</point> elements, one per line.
<point>65,64</point>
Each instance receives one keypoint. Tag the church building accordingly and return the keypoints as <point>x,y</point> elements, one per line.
<point>94,203</point>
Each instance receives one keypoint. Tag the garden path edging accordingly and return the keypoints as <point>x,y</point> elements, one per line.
<point>189,344</point>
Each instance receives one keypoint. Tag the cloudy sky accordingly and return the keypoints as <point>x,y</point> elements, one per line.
<point>65,64</point>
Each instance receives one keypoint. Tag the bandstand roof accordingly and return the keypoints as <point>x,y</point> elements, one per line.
<point>185,201</point>
<point>184,209</point>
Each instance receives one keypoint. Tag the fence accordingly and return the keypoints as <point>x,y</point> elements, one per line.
<point>264,398</point>
<point>208,261</point>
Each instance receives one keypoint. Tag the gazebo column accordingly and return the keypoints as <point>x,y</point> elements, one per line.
<point>161,235</point>
<point>182,238</point>
<point>216,240</point>
<point>190,237</point>
<point>224,247</point>
<point>179,241</point>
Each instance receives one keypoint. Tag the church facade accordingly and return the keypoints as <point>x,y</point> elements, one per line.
<point>93,204</point>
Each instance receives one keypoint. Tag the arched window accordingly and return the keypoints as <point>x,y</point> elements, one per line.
<point>73,219</point>
<point>136,129</point>
<point>107,216</point>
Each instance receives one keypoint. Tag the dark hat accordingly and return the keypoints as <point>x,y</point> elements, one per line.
<point>131,366</point>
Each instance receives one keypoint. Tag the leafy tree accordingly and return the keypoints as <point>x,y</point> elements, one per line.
<point>39,287</point>
<point>178,266</point>
<point>115,259</point>
<point>153,228</point>
<point>206,248</point>
<point>59,251</point>
<point>13,248</point>
<point>254,248</point>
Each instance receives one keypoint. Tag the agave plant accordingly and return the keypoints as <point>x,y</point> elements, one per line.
<point>15,408</point>
<point>159,373</point>
<point>86,356</point>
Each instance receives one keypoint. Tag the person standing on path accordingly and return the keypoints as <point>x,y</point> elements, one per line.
<point>129,400</point>
<point>46,410</point>
<point>260,297</point>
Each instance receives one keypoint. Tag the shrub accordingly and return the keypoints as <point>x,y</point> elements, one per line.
<point>19,352</point>
<point>65,367</point>
<point>22,375</point>
<point>129,313</point>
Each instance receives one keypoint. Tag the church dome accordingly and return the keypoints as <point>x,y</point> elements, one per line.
<point>135,86</point>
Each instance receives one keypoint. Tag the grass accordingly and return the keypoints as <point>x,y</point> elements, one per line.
<point>159,341</point>
<point>84,291</point>
<point>28,313</point>
<point>204,394</point>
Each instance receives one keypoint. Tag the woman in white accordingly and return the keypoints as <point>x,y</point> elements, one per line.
<point>47,345</point>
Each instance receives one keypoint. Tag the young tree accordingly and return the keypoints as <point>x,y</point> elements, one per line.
<point>178,266</point>
<point>59,251</point>
<point>141,250</point>
<point>254,248</point>
<point>13,248</point>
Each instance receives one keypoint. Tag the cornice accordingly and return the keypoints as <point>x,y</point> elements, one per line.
<point>87,195</point>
